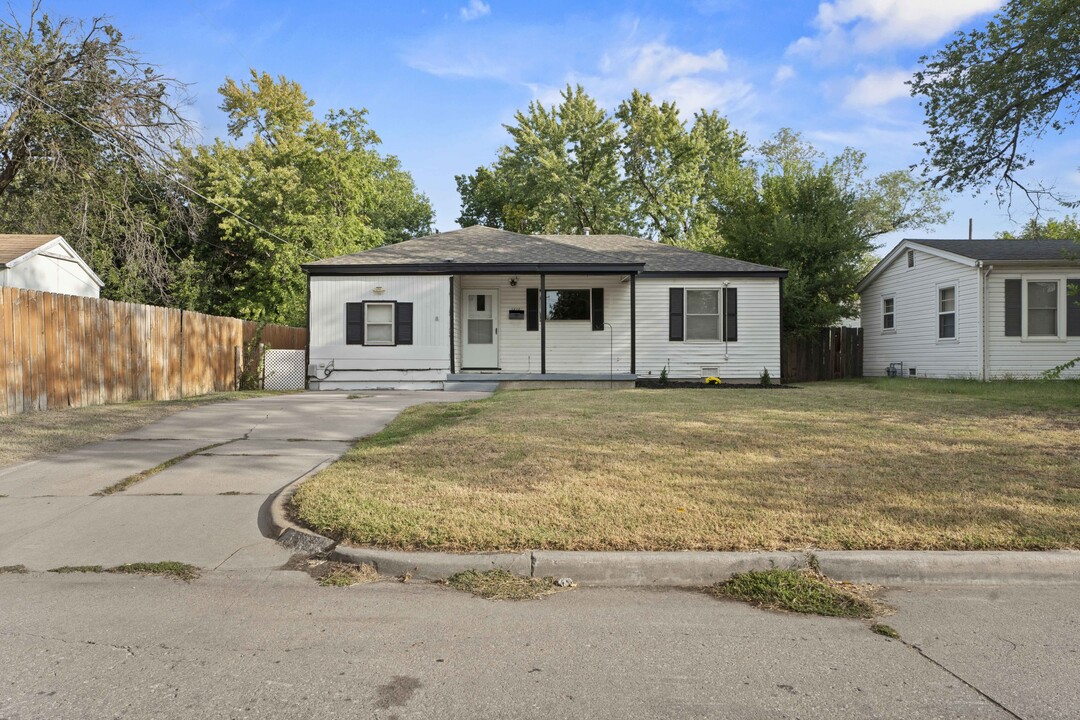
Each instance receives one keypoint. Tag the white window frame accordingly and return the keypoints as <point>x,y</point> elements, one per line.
<point>954,312</point>
<point>368,323</point>
<point>719,315</point>
<point>884,312</point>
<point>1062,306</point>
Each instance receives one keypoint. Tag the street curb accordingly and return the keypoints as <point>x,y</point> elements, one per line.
<point>691,568</point>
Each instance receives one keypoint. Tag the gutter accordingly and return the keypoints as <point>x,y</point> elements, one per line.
<point>984,351</point>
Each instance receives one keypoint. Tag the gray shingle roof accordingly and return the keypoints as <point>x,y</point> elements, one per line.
<point>483,246</point>
<point>661,258</point>
<point>1008,250</point>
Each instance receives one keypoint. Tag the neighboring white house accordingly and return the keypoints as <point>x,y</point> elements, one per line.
<point>972,309</point>
<point>45,262</point>
<point>486,305</point>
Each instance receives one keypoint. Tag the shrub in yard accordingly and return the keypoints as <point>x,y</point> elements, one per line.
<point>663,376</point>
<point>765,378</point>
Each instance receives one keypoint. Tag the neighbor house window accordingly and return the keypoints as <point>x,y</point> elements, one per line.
<point>568,304</point>
<point>702,314</point>
<point>946,313</point>
<point>1042,308</point>
<point>888,314</point>
<point>379,323</point>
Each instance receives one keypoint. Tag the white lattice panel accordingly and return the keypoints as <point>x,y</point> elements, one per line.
<point>284,369</point>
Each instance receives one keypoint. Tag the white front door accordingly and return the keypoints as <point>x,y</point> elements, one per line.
<point>480,344</point>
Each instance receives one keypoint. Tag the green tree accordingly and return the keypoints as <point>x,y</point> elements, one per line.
<point>559,174</point>
<point>1066,227</point>
<point>305,188</point>
<point>991,94</point>
<point>85,127</point>
<point>820,218</point>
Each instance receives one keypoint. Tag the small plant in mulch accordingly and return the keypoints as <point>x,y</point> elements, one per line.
<point>765,380</point>
<point>713,381</point>
<point>13,570</point>
<point>663,377</point>
<point>505,585</point>
<point>65,569</point>
<point>167,568</point>
<point>801,590</point>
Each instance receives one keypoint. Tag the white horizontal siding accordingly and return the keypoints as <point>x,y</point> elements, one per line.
<point>914,340</point>
<point>427,359</point>
<point>1021,357</point>
<point>48,274</point>
<point>572,345</point>
<point>757,347</point>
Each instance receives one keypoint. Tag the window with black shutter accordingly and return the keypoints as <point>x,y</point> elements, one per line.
<point>598,308</point>
<point>675,314</point>
<point>532,309</point>
<point>1014,311</point>
<point>354,323</point>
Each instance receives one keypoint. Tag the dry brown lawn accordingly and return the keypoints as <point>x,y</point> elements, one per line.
<point>862,464</point>
<point>35,434</point>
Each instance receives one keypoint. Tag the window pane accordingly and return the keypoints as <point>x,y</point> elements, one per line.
<point>380,313</point>
<point>947,325</point>
<point>1042,322</point>
<point>568,304</point>
<point>948,300</point>
<point>479,307</point>
<point>1042,295</point>
<point>480,332</point>
<point>887,321</point>
<point>888,305</point>
<point>702,327</point>
<point>380,333</point>
<point>702,302</point>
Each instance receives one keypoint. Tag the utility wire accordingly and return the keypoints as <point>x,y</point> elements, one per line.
<point>152,159</point>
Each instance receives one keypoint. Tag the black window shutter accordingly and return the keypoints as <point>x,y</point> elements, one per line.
<point>403,323</point>
<point>532,309</point>
<point>675,314</point>
<point>731,314</point>
<point>598,309</point>
<point>354,323</point>
<point>1013,311</point>
<point>1072,308</point>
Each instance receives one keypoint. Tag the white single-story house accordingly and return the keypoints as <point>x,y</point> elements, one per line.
<point>487,306</point>
<point>972,309</point>
<point>47,263</point>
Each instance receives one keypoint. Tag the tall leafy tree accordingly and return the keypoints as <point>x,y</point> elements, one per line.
<point>991,94</point>
<point>1066,227</point>
<point>560,173</point>
<point>289,188</point>
<point>820,219</point>
<point>85,127</point>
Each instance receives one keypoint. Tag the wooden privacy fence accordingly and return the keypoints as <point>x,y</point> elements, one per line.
<point>827,354</point>
<point>67,351</point>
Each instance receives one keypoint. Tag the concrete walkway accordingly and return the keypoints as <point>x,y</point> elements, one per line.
<point>204,510</point>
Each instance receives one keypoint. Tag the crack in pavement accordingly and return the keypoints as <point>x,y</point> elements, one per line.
<point>125,648</point>
<point>993,701</point>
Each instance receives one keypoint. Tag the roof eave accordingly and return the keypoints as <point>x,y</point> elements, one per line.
<point>455,268</point>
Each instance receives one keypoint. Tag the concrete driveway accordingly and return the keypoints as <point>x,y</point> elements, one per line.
<point>204,510</point>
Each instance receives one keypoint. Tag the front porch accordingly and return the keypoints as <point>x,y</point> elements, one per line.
<point>490,381</point>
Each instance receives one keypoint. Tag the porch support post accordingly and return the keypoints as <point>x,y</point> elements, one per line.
<point>633,324</point>
<point>451,324</point>
<point>542,309</point>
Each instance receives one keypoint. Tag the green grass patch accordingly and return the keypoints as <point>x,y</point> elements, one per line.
<point>800,591</point>
<point>503,585</point>
<point>65,569</point>
<point>140,476</point>
<point>13,570</point>
<point>885,630</point>
<point>849,465</point>
<point>167,568</point>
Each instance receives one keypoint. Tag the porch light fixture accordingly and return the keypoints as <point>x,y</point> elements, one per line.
<point>379,290</point>
<point>513,282</point>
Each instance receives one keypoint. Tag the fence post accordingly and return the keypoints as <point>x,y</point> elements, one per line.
<point>262,367</point>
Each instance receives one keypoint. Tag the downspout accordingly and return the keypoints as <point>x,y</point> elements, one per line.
<point>542,310</point>
<point>984,349</point>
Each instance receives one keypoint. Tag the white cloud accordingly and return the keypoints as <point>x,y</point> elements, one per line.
<point>868,25</point>
<point>656,61</point>
<point>783,74</point>
<point>475,9</point>
<point>878,88</point>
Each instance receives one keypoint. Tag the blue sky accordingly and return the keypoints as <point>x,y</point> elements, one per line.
<point>440,78</point>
